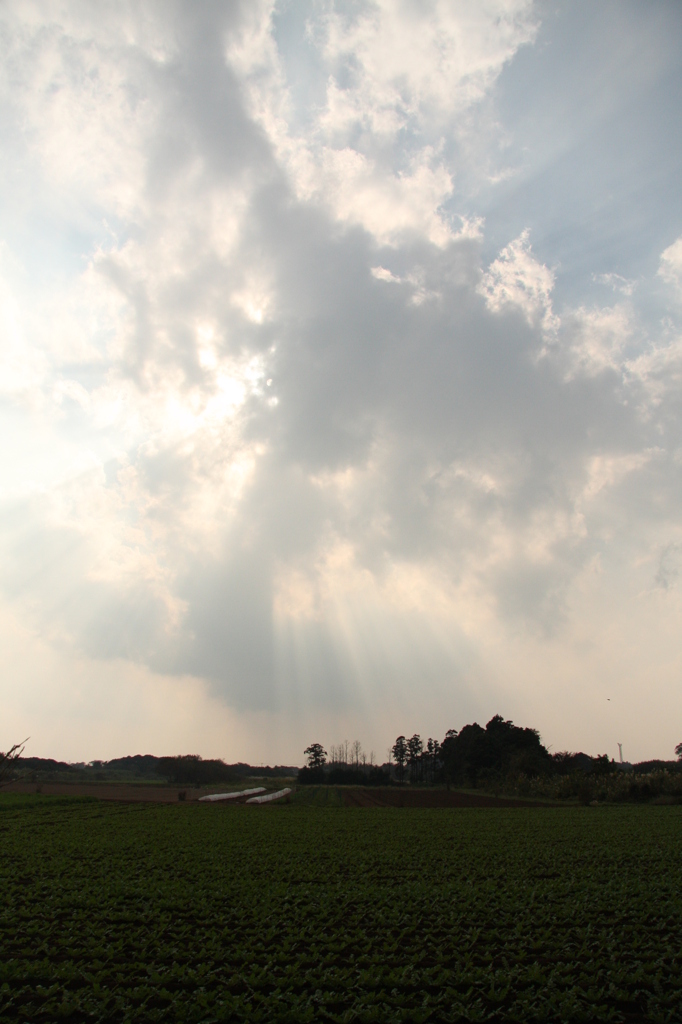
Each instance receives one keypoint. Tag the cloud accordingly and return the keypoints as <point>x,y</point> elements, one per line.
<point>617,282</point>
<point>517,279</point>
<point>393,83</point>
<point>22,370</point>
<point>312,449</point>
<point>598,337</point>
<point>671,264</point>
<point>668,567</point>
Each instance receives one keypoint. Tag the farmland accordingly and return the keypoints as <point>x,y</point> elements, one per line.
<point>200,912</point>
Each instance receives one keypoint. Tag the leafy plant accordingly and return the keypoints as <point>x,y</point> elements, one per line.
<point>197,912</point>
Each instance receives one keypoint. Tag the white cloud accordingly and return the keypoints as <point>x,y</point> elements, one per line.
<point>671,264</point>
<point>617,282</point>
<point>82,103</point>
<point>410,63</point>
<point>382,274</point>
<point>22,367</point>
<point>597,338</point>
<point>659,370</point>
<point>395,80</point>
<point>517,279</point>
<point>360,192</point>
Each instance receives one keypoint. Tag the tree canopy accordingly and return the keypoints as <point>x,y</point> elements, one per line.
<point>502,747</point>
<point>316,755</point>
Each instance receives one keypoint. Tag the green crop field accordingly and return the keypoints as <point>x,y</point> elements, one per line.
<point>132,912</point>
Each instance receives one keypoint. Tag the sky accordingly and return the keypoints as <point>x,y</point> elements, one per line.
<point>340,374</point>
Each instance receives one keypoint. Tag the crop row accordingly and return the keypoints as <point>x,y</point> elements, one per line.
<point>290,913</point>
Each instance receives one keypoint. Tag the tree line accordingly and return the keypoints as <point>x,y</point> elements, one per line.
<point>466,757</point>
<point>184,769</point>
<point>471,757</point>
<point>348,765</point>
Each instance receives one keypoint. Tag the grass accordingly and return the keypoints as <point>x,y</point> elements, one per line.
<point>132,912</point>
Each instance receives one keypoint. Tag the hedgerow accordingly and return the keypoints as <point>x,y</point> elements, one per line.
<point>614,787</point>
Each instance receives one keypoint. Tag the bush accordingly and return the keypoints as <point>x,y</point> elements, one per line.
<point>616,787</point>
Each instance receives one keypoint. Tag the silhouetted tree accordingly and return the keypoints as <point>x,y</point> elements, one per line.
<point>448,754</point>
<point>470,754</point>
<point>493,753</point>
<point>601,765</point>
<point>431,760</point>
<point>678,751</point>
<point>516,750</point>
<point>399,751</point>
<point>316,754</point>
<point>313,774</point>
<point>191,769</point>
<point>414,751</point>
<point>356,753</point>
<point>8,761</point>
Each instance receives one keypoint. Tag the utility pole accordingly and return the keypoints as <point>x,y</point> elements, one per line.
<point>620,751</point>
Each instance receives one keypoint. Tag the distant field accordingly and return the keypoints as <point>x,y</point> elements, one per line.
<point>398,796</point>
<point>132,791</point>
<point>186,911</point>
<point>318,796</point>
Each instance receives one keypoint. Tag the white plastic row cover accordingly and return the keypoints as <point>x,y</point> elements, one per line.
<point>268,797</point>
<point>212,797</point>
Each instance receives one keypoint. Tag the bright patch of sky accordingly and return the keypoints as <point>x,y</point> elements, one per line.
<point>340,373</point>
<point>590,119</point>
